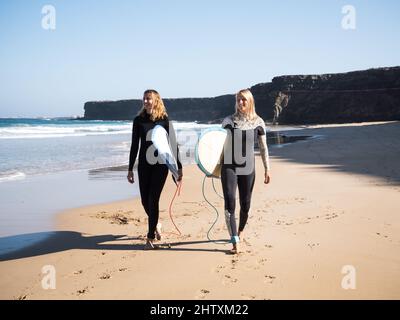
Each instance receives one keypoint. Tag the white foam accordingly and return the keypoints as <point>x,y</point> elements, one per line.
<point>12,175</point>
<point>55,131</point>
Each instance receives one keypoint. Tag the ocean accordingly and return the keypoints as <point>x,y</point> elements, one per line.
<point>39,146</point>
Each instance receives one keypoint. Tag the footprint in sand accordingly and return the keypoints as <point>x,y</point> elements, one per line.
<point>327,216</point>
<point>312,245</point>
<point>254,253</point>
<point>282,222</point>
<point>137,221</point>
<point>269,279</point>
<point>78,272</point>
<point>246,242</point>
<point>382,235</point>
<point>234,263</point>
<point>261,218</point>
<point>129,256</point>
<point>228,279</point>
<point>299,199</point>
<point>249,296</point>
<point>218,269</point>
<point>119,218</point>
<point>105,276</point>
<point>21,297</point>
<point>82,291</point>
<point>203,294</point>
<point>330,216</point>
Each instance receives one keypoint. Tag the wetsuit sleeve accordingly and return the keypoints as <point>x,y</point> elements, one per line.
<point>262,143</point>
<point>135,144</point>
<point>227,123</point>
<point>174,144</point>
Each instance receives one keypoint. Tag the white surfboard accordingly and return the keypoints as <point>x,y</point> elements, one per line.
<point>209,151</point>
<point>159,137</point>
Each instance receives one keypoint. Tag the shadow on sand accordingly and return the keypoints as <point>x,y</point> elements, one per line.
<point>371,150</point>
<point>58,241</point>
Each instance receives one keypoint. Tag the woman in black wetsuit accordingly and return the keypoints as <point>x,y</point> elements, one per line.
<point>152,175</point>
<point>238,168</point>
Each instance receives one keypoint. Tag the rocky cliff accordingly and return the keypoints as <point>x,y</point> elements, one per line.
<point>369,95</point>
<point>183,109</point>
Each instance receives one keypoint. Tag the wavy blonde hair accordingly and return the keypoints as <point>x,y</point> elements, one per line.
<point>158,112</point>
<point>251,114</point>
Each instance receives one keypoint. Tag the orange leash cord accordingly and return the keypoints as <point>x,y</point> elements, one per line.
<point>177,191</point>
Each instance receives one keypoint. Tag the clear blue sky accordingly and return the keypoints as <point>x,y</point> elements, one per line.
<point>109,50</point>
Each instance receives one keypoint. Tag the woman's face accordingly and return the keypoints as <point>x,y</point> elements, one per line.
<point>242,104</point>
<point>148,102</point>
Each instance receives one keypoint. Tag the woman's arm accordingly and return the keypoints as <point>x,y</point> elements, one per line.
<point>134,145</point>
<point>262,143</point>
<point>174,146</point>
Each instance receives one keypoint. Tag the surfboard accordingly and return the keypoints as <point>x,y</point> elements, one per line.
<point>209,151</point>
<point>159,137</point>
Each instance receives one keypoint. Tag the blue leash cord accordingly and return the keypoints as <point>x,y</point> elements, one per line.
<point>215,189</point>
<point>216,211</point>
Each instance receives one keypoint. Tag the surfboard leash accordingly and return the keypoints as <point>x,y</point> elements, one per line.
<point>216,211</point>
<point>177,191</point>
<point>222,197</point>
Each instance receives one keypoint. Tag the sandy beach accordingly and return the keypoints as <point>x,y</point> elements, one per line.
<point>330,214</point>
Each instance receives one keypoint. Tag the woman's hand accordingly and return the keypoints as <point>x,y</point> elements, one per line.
<point>131,178</point>
<point>180,175</point>
<point>267,177</point>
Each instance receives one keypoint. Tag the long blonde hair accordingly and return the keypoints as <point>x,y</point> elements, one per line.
<point>158,112</point>
<point>251,114</point>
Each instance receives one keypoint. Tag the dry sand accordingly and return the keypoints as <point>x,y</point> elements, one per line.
<point>333,202</point>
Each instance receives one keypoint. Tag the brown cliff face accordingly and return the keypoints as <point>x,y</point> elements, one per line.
<point>369,95</point>
<point>183,109</point>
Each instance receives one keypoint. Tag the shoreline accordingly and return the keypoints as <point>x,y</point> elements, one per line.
<point>331,203</point>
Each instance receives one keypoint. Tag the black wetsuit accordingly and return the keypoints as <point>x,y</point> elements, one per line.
<point>151,176</point>
<point>238,170</point>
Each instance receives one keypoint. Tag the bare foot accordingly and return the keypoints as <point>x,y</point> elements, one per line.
<point>150,245</point>
<point>158,231</point>
<point>235,249</point>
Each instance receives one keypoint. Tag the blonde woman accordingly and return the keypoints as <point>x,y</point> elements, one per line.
<point>151,176</point>
<point>238,168</point>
